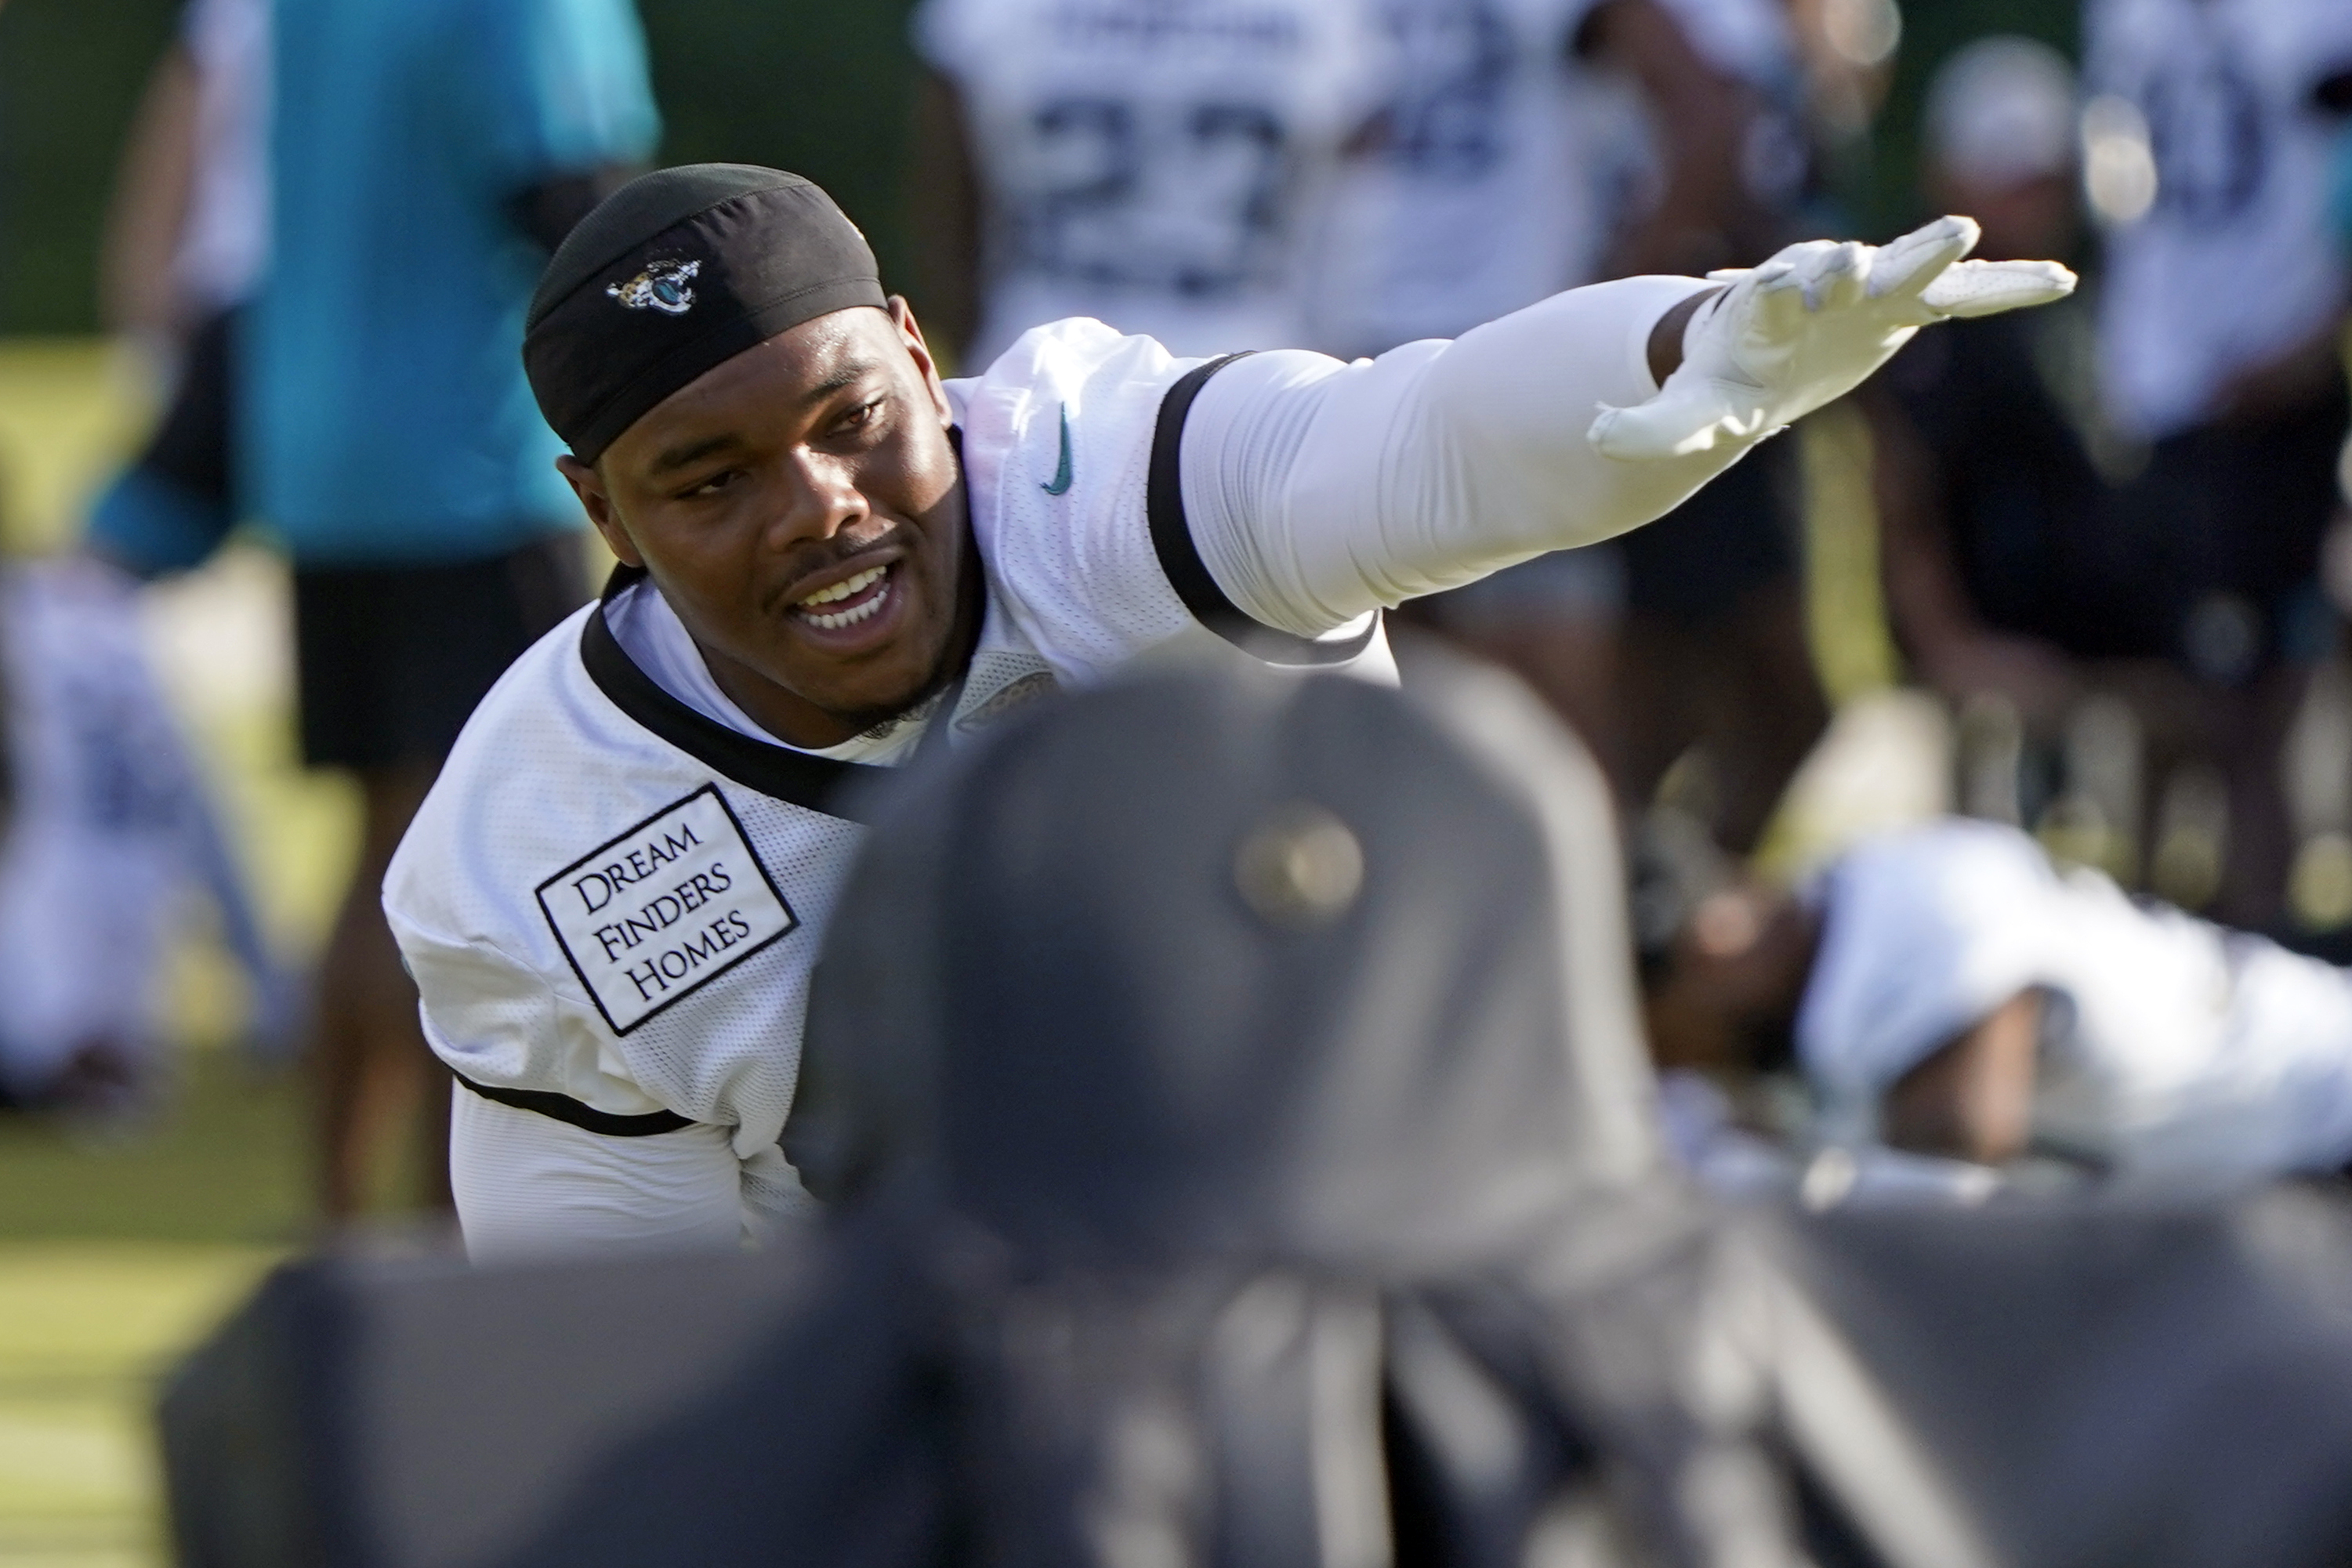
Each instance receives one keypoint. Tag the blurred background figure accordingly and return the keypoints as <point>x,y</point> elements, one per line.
<point>1490,172</point>
<point>2208,136</point>
<point>2010,556</point>
<point>425,159</point>
<point>109,821</point>
<point>1158,167</point>
<point>187,240</point>
<point>107,826</point>
<point>1948,991</point>
<point>188,229</point>
<point>1524,150</point>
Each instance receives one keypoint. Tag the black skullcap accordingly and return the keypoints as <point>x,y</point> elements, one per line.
<point>676,272</point>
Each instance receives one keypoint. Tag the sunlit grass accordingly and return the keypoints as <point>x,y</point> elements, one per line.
<point>85,1330</point>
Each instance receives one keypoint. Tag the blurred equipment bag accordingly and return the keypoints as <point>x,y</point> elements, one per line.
<point>1239,1153</point>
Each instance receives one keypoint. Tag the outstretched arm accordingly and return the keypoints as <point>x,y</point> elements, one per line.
<point>1316,491</point>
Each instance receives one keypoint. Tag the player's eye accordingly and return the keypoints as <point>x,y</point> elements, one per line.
<point>860,417</point>
<point>711,486</point>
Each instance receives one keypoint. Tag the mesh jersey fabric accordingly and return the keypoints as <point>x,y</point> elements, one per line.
<point>551,768</point>
<point>2172,1051</point>
<point>527,1185</point>
<point>1075,575</point>
<point>1162,168</point>
<point>2234,263</point>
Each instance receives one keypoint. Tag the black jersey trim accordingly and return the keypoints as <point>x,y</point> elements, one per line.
<point>587,1118</point>
<point>822,784</point>
<point>1180,557</point>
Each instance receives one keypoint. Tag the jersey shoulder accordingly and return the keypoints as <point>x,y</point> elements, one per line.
<point>1057,444</point>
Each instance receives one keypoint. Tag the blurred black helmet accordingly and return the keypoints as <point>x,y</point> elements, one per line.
<point>1242,962</point>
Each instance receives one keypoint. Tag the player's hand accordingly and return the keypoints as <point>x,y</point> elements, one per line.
<point>1807,327</point>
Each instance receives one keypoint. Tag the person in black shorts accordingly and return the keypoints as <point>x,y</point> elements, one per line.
<point>369,407</point>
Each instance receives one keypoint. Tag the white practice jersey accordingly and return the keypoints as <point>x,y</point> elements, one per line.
<point>1496,167</point>
<point>614,896</point>
<point>1158,164</point>
<point>2234,263</point>
<point>2172,1051</point>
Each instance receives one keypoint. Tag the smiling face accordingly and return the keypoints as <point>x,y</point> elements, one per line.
<point>801,509</point>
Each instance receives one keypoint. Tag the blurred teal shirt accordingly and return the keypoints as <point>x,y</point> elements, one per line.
<point>384,410</point>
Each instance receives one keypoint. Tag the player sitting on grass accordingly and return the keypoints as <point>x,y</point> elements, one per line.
<point>1946,990</point>
<point>829,558</point>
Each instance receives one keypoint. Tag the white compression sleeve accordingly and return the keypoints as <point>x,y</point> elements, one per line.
<point>528,1185</point>
<point>1316,491</point>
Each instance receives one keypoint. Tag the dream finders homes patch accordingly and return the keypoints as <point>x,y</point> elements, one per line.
<point>664,909</point>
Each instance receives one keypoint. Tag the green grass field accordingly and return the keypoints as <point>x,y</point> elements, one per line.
<point>115,1255</point>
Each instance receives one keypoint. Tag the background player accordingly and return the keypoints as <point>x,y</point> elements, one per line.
<point>425,158</point>
<point>611,898</point>
<point>188,238</point>
<point>1524,147</point>
<point>1158,167</point>
<point>109,828</point>
<point>2006,544</point>
<point>2219,325</point>
<point>1947,989</point>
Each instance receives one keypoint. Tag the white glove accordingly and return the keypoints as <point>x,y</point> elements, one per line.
<point>1807,327</point>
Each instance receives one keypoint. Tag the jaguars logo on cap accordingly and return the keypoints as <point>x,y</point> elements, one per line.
<point>666,286</point>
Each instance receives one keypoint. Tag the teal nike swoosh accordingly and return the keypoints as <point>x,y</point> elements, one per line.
<point>1061,480</point>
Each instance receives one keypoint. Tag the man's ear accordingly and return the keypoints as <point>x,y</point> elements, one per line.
<point>910,333</point>
<point>589,486</point>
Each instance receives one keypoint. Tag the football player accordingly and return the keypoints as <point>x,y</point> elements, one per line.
<point>1947,991</point>
<point>2210,133</point>
<point>1162,168</point>
<point>830,559</point>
